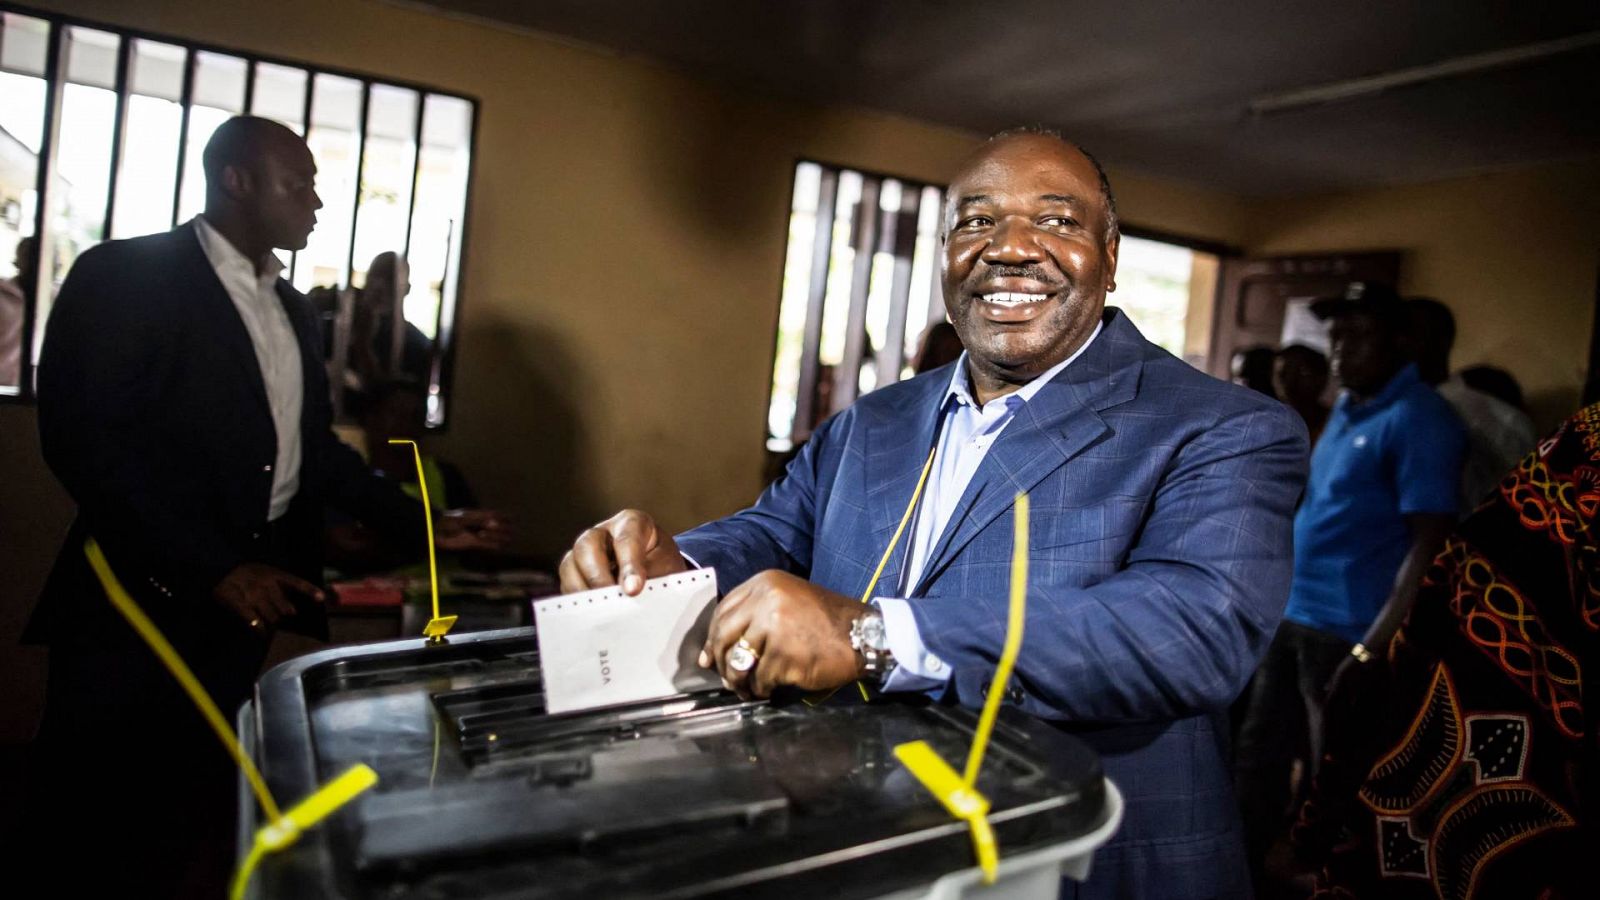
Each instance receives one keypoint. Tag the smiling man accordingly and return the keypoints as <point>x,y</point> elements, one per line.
<point>1160,538</point>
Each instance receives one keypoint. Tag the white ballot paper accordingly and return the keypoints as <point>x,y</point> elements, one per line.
<point>602,647</point>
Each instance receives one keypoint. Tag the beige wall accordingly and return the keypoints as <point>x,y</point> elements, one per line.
<point>34,515</point>
<point>1515,254</point>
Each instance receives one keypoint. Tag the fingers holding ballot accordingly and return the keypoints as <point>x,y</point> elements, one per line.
<point>775,630</point>
<point>624,550</point>
<point>779,630</point>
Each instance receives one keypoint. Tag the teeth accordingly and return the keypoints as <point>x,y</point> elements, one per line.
<point>1012,298</point>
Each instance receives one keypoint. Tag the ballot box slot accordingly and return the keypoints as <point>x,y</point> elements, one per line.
<point>522,696</point>
<point>506,719</point>
<point>515,661</point>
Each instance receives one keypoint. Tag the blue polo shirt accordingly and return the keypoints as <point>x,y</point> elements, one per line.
<point>1398,453</point>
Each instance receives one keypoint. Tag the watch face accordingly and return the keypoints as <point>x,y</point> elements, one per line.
<point>872,633</point>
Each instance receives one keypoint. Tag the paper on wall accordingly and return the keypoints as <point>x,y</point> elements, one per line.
<point>602,647</point>
<point>1301,326</point>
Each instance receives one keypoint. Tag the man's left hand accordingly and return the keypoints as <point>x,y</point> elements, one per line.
<point>1350,697</point>
<point>471,529</point>
<point>799,632</point>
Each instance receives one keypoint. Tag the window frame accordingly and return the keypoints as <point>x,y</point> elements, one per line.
<point>799,436</point>
<point>55,81</point>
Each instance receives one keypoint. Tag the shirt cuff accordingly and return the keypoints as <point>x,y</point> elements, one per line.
<point>917,668</point>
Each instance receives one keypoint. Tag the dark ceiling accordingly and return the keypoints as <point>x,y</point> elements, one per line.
<point>1165,88</point>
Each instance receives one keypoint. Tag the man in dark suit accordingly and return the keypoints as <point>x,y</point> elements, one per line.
<point>1160,536</point>
<point>184,406</point>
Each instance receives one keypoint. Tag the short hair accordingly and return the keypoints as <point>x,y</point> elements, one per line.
<point>237,142</point>
<point>1308,357</point>
<point>1113,223</point>
<point>1428,317</point>
<point>1495,382</point>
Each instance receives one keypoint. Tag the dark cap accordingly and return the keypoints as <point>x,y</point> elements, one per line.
<point>1371,297</point>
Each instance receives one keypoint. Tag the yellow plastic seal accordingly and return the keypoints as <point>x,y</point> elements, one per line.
<point>959,793</point>
<point>438,626</point>
<point>959,798</point>
<point>281,829</point>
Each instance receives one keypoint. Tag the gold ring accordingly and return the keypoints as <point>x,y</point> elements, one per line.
<point>742,658</point>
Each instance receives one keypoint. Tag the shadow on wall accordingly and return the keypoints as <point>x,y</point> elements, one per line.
<point>520,440</point>
<point>1550,407</point>
<point>34,514</point>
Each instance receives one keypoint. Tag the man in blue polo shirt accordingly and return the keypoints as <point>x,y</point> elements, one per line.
<point>1382,496</point>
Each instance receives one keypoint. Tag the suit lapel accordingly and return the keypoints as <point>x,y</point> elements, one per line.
<point>217,309</point>
<point>1059,423</point>
<point>896,450</point>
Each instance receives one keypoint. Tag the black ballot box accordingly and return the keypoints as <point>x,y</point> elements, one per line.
<point>482,794</point>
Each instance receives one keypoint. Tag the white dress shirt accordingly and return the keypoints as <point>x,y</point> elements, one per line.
<point>967,431</point>
<point>255,296</point>
<point>1498,436</point>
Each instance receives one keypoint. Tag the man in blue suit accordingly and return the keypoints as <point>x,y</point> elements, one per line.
<point>1160,543</point>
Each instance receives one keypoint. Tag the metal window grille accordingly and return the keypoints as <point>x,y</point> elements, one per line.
<point>860,287</point>
<point>127,113</point>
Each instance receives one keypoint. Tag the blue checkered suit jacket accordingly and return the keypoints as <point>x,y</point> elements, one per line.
<point>1160,559</point>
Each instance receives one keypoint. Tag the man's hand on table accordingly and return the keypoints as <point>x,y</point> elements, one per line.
<point>799,632</point>
<point>259,594</point>
<point>626,549</point>
<point>471,529</point>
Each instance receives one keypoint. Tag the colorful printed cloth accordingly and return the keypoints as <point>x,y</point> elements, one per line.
<point>1465,766</point>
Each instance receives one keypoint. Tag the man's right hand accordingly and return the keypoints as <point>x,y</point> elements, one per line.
<point>626,548</point>
<point>258,593</point>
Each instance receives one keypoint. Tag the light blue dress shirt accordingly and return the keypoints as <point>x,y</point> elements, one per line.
<point>966,433</point>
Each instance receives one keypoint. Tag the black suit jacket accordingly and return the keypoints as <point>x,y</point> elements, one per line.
<point>153,414</point>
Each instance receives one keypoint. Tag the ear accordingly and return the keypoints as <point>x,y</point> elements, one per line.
<point>1113,245</point>
<point>238,181</point>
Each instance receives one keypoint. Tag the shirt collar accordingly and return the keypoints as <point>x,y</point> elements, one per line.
<point>224,255</point>
<point>1391,391</point>
<point>961,384</point>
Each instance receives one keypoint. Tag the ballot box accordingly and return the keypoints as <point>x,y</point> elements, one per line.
<point>482,794</point>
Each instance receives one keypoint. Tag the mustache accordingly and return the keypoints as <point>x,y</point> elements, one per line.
<point>1031,271</point>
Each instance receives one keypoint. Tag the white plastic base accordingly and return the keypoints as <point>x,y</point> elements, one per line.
<point>1035,875</point>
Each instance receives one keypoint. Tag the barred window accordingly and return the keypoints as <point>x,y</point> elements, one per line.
<point>101,133</point>
<point>859,290</point>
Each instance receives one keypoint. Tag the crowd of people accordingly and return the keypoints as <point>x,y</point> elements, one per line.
<point>1405,451</point>
<point>1405,719</point>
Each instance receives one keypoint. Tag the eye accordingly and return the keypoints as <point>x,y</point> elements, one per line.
<point>971,222</point>
<point>1059,222</point>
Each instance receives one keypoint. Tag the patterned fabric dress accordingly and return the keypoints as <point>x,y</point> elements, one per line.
<point>1465,766</point>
